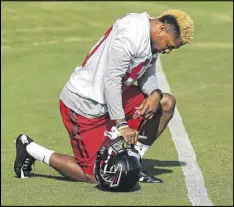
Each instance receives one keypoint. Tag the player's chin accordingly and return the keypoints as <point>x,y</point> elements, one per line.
<point>154,50</point>
<point>161,52</point>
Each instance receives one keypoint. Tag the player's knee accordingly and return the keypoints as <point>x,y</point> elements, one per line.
<point>168,104</point>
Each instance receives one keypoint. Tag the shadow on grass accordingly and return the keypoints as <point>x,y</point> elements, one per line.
<point>52,177</point>
<point>149,165</point>
<point>137,187</point>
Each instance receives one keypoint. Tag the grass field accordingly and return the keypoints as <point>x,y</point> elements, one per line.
<point>42,43</point>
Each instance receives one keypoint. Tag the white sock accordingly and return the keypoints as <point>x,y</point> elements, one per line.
<point>39,153</point>
<point>141,148</point>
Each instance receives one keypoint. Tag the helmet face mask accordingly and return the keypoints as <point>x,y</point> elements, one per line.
<point>117,166</point>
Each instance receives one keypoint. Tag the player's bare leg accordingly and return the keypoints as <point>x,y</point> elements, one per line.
<point>67,166</point>
<point>154,127</point>
<point>27,151</point>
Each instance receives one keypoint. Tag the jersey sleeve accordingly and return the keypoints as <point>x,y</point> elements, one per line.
<point>148,81</point>
<point>122,51</point>
<point>129,43</point>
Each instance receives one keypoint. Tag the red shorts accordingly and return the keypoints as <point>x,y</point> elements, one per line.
<point>86,135</point>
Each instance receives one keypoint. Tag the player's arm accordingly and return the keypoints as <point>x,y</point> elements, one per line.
<point>118,62</point>
<point>123,49</point>
<point>117,67</point>
<point>149,86</point>
<point>148,81</point>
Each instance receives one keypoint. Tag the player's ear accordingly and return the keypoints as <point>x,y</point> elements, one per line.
<point>162,29</point>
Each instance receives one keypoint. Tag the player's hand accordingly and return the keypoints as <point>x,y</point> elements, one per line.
<point>149,106</point>
<point>130,135</point>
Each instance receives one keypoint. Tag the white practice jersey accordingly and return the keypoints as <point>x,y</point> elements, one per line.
<point>121,57</point>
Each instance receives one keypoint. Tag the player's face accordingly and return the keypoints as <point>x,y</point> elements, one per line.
<point>163,41</point>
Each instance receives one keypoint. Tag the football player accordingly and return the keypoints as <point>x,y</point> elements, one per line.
<point>101,93</point>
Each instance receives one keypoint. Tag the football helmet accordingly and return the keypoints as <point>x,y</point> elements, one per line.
<point>118,165</point>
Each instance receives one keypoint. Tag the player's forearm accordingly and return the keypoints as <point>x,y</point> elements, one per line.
<point>117,67</point>
<point>113,95</point>
<point>148,83</point>
<point>114,105</point>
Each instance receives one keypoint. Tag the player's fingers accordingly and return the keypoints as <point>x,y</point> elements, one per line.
<point>151,113</point>
<point>141,106</point>
<point>128,138</point>
<point>133,138</point>
<point>147,113</point>
<point>136,137</point>
<point>136,114</point>
<point>151,116</point>
<point>144,110</point>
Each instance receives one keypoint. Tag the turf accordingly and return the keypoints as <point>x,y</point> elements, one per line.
<point>42,43</point>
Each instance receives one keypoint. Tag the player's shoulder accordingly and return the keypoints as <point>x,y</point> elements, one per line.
<point>135,21</point>
<point>134,30</point>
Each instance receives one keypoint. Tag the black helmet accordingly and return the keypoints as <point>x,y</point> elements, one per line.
<point>117,167</point>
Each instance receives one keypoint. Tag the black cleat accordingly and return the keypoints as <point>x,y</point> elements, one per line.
<point>23,161</point>
<point>144,178</point>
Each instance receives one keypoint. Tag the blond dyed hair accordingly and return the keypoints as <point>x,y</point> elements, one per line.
<point>184,22</point>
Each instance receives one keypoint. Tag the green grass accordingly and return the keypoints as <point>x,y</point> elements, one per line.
<point>42,43</point>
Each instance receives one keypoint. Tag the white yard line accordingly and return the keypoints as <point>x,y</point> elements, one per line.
<point>197,192</point>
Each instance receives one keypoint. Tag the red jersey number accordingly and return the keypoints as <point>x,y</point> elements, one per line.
<point>98,45</point>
